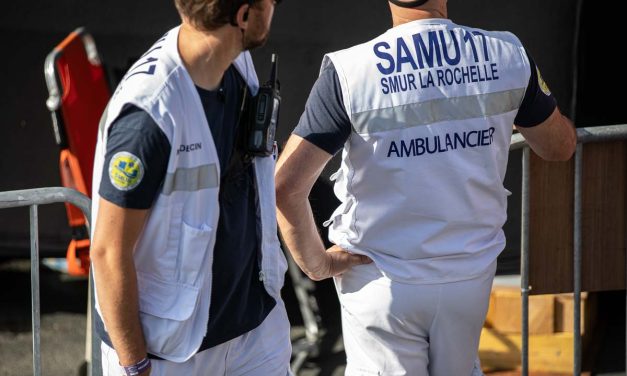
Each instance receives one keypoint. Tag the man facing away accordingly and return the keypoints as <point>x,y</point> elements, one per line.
<point>185,254</point>
<point>424,116</point>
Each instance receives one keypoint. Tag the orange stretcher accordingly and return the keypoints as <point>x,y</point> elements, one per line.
<point>78,93</point>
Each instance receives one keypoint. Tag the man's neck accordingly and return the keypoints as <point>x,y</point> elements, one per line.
<point>208,54</point>
<point>404,15</point>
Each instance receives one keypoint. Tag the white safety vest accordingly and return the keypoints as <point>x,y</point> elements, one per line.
<point>174,254</point>
<point>432,105</point>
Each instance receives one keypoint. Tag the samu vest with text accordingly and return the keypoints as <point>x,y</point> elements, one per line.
<point>432,106</point>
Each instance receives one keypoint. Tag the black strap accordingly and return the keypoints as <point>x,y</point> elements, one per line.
<point>80,232</point>
<point>240,160</point>
<point>408,4</point>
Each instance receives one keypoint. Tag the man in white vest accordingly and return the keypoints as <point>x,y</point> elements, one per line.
<point>185,254</point>
<point>423,115</point>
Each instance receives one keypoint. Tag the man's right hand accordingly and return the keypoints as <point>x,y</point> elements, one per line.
<point>336,261</point>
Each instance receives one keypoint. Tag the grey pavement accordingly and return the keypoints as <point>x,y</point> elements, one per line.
<point>63,306</point>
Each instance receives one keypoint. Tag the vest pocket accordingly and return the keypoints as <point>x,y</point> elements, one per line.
<point>168,300</point>
<point>166,309</point>
<point>194,245</point>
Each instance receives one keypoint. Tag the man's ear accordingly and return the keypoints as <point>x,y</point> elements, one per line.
<point>241,17</point>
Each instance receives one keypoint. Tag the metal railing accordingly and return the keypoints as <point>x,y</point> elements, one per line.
<point>33,198</point>
<point>584,135</point>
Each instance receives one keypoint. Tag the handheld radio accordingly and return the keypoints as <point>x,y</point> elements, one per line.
<point>264,115</point>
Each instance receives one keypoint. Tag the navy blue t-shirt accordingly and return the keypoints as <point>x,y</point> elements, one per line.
<point>239,301</point>
<point>325,122</point>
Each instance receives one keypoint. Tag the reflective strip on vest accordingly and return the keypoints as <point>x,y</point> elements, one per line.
<point>437,110</point>
<point>191,179</point>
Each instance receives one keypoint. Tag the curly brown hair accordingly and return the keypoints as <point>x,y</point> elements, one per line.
<point>210,14</point>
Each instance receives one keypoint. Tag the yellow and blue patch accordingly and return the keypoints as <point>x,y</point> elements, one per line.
<point>543,86</point>
<point>125,171</point>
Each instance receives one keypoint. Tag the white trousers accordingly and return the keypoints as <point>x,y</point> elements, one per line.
<point>264,351</point>
<point>392,328</point>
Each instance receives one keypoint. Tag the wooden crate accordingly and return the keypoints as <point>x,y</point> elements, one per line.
<point>550,329</point>
<point>505,312</point>
<point>547,352</point>
<point>564,313</point>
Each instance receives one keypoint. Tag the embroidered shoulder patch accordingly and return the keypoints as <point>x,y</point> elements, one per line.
<point>125,171</point>
<point>543,86</point>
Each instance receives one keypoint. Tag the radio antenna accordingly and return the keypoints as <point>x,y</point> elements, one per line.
<point>274,80</point>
